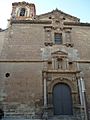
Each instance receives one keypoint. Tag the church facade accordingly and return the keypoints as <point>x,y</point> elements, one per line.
<point>44,64</point>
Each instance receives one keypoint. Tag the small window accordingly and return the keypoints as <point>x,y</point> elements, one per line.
<point>7,74</point>
<point>64,18</point>
<point>58,38</point>
<point>22,12</point>
<point>50,17</point>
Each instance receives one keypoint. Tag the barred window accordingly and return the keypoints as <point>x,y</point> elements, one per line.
<point>58,38</point>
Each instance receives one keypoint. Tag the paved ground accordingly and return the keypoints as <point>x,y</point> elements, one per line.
<point>20,118</point>
<point>17,119</point>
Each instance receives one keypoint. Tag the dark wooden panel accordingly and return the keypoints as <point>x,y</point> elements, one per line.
<point>62,100</point>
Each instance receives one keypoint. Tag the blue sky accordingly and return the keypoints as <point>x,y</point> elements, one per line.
<point>78,8</point>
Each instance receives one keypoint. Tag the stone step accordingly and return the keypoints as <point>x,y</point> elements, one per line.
<point>65,118</point>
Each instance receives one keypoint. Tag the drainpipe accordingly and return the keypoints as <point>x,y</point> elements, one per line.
<point>82,92</point>
<point>84,100</point>
<point>80,86</point>
<point>81,97</point>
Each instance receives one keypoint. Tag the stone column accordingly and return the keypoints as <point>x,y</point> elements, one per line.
<point>45,91</point>
<point>53,63</point>
<point>67,65</point>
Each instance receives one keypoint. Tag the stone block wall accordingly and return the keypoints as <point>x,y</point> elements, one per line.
<point>22,87</point>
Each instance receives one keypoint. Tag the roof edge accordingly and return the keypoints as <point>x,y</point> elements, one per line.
<point>23,2</point>
<point>57,10</point>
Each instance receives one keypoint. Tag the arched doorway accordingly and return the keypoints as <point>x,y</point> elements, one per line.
<point>62,100</point>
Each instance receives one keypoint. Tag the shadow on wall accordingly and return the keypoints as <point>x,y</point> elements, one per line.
<point>1,113</point>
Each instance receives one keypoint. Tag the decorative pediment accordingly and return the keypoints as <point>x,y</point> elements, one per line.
<point>58,15</point>
<point>59,54</point>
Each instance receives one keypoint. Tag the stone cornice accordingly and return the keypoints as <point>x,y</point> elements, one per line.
<point>30,21</point>
<point>62,71</point>
<point>77,24</point>
<point>83,61</point>
<point>22,3</point>
<point>20,60</point>
<point>47,26</point>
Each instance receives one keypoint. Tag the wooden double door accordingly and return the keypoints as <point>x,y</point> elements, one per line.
<point>62,100</point>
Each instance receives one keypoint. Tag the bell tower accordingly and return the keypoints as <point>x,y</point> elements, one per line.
<point>23,11</point>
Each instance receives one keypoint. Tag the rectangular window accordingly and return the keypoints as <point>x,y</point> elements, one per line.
<point>58,38</point>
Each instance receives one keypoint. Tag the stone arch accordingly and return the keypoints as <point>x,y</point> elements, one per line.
<point>22,11</point>
<point>61,80</point>
<point>18,10</point>
<point>67,81</point>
